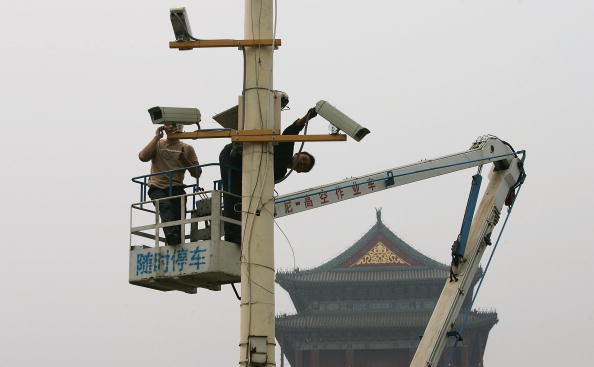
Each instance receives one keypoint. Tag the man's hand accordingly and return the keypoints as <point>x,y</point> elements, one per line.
<point>159,132</point>
<point>147,152</point>
<point>311,113</point>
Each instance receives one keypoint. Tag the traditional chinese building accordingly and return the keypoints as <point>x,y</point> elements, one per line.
<point>369,306</point>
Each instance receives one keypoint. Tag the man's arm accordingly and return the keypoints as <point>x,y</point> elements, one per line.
<point>283,152</point>
<point>296,127</point>
<point>148,152</point>
<point>189,155</point>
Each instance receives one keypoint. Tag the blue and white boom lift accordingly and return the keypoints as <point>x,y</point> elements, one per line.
<point>216,262</point>
<point>505,178</point>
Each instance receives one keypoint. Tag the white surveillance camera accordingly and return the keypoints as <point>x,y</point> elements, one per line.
<point>174,115</point>
<point>181,26</point>
<point>341,121</point>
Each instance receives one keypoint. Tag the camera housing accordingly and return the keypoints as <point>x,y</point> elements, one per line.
<point>174,115</point>
<point>181,26</point>
<point>232,117</point>
<point>341,121</point>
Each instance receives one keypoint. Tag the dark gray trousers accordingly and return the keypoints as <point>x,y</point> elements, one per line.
<point>169,210</point>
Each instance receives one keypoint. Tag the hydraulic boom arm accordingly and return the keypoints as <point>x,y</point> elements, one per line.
<point>484,150</point>
<point>443,321</point>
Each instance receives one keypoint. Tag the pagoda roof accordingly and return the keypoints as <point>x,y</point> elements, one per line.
<point>378,256</point>
<point>372,320</point>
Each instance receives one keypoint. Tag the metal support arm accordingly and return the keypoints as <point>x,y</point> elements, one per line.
<point>484,150</point>
<point>443,319</point>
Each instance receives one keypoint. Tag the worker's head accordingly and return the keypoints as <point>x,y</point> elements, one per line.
<point>303,162</point>
<point>173,128</point>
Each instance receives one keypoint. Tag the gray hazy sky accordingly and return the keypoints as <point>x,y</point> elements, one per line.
<point>426,77</point>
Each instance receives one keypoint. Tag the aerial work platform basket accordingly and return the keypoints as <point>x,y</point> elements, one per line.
<point>201,260</point>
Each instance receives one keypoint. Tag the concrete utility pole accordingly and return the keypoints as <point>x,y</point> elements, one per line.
<point>257,340</point>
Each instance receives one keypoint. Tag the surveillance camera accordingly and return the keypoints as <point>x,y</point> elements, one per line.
<point>174,115</point>
<point>181,26</point>
<point>284,98</point>
<point>341,121</point>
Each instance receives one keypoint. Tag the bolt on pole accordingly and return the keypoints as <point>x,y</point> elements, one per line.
<point>257,340</point>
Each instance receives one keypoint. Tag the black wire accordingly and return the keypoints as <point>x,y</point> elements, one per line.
<point>262,151</point>
<point>235,290</point>
<point>243,86</point>
<point>256,57</point>
<point>261,160</point>
<point>509,145</point>
<point>522,176</point>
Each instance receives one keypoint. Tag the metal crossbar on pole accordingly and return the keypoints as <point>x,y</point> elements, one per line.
<point>187,45</point>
